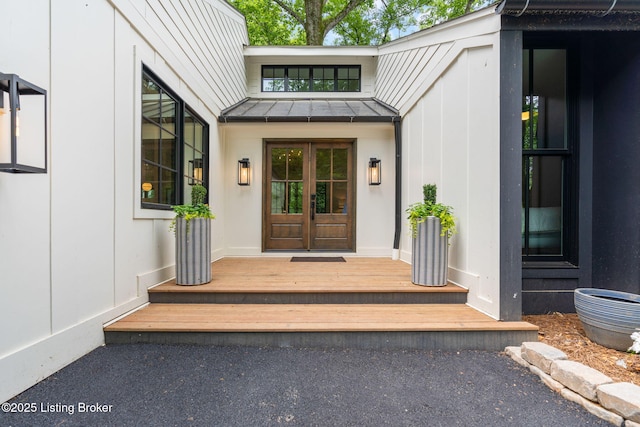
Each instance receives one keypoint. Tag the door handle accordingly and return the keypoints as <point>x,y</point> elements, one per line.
<point>313,207</point>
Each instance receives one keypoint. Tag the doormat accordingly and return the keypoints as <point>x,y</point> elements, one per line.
<point>317,259</point>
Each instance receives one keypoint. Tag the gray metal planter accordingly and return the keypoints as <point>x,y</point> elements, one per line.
<point>608,317</point>
<point>193,251</point>
<point>430,254</point>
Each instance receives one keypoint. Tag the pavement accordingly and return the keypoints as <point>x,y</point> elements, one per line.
<point>180,385</point>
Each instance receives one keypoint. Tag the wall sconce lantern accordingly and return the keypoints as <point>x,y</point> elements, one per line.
<point>244,172</point>
<point>195,171</point>
<point>375,175</point>
<point>23,149</point>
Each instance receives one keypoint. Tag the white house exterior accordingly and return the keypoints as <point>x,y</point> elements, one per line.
<point>81,244</point>
<point>76,248</point>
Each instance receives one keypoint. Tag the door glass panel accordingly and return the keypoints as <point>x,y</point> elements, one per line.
<point>340,163</point>
<point>339,199</point>
<point>278,199</point>
<point>286,181</point>
<point>323,163</point>
<point>295,164</point>
<point>323,192</point>
<point>279,164</point>
<point>295,197</point>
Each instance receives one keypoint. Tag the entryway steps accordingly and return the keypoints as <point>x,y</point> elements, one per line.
<point>279,281</point>
<point>360,303</point>
<point>416,326</point>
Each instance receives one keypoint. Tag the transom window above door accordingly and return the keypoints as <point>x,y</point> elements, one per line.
<point>311,78</point>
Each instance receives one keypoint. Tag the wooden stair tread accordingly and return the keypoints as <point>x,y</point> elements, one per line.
<point>310,318</point>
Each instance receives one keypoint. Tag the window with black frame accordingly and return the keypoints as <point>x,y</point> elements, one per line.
<point>547,157</point>
<point>311,78</point>
<point>174,149</point>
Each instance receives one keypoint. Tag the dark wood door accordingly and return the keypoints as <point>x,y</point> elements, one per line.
<point>309,200</point>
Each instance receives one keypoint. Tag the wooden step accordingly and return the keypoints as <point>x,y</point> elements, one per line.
<point>279,281</point>
<point>411,326</point>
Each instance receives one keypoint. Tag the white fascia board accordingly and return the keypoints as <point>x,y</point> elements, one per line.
<point>484,21</point>
<point>314,51</point>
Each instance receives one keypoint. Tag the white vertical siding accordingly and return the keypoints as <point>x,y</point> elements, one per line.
<point>75,250</point>
<point>199,39</point>
<point>447,90</point>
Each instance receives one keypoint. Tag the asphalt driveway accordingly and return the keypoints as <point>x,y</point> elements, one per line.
<point>163,385</point>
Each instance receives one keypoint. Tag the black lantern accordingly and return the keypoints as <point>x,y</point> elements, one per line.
<point>244,172</point>
<point>195,171</point>
<point>23,131</point>
<point>375,175</point>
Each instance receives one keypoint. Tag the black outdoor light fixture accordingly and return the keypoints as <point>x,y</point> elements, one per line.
<point>375,175</point>
<point>195,171</point>
<point>23,126</point>
<point>244,172</point>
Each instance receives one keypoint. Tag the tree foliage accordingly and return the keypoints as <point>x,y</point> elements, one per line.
<point>351,22</point>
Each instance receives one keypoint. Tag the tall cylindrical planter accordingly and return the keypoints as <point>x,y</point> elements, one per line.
<point>430,254</point>
<point>193,251</point>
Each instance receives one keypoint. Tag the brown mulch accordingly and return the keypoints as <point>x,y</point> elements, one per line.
<point>565,332</point>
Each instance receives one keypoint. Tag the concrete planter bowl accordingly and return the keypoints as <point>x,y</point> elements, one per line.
<point>608,317</point>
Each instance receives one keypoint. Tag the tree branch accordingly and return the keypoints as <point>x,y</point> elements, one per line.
<point>291,11</point>
<point>340,16</point>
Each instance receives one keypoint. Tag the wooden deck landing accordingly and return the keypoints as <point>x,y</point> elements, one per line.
<point>363,303</point>
<point>280,275</point>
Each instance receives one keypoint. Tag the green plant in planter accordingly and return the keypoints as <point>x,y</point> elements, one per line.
<point>418,212</point>
<point>197,208</point>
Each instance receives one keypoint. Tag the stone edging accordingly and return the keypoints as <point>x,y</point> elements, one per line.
<point>617,403</point>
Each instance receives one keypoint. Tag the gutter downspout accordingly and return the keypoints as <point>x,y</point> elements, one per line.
<point>397,126</point>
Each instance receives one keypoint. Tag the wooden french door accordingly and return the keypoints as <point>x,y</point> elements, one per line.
<point>308,195</point>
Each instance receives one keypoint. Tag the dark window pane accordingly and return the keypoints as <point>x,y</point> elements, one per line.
<point>542,216</point>
<point>168,151</point>
<point>167,187</point>
<point>278,198</point>
<point>328,73</point>
<point>549,98</point>
<point>340,163</point>
<point>295,197</point>
<point>295,164</point>
<point>150,142</point>
<point>279,164</point>
<point>323,192</point>
<point>323,163</point>
<point>150,182</point>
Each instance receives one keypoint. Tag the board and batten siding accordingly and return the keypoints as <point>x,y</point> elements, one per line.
<point>74,253</point>
<point>200,41</point>
<point>445,82</point>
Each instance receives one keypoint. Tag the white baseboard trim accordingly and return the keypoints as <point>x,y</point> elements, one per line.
<point>27,366</point>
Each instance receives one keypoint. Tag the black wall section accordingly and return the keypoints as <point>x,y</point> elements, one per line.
<point>616,168</point>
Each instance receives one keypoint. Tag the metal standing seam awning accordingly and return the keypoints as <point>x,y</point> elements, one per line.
<point>310,110</point>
